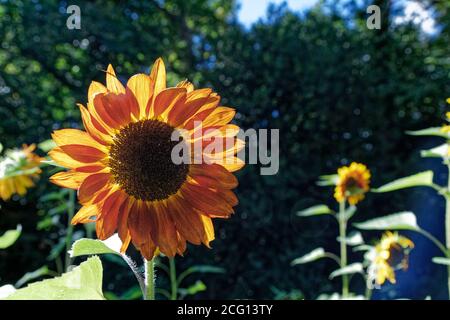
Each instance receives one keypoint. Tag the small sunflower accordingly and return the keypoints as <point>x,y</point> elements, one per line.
<point>122,168</point>
<point>17,170</point>
<point>389,255</point>
<point>353,183</point>
<point>446,127</point>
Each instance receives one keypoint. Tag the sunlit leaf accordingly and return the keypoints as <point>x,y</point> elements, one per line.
<point>197,287</point>
<point>82,283</point>
<point>350,269</point>
<point>10,237</point>
<point>84,247</point>
<point>437,152</point>
<point>29,276</point>
<point>328,180</point>
<point>315,211</point>
<point>422,179</point>
<point>435,131</point>
<point>349,212</point>
<point>441,260</point>
<point>47,145</point>
<point>353,239</point>
<point>314,255</point>
<point>396,221</point>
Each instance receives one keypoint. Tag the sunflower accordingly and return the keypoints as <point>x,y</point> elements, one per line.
<point>122,167</point>
<point>390,254</point>
<point>446,128</point>
<point>17,170</point>
<point>353,183</point>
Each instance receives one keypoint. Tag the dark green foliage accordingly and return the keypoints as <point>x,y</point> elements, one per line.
<point>337,91</point>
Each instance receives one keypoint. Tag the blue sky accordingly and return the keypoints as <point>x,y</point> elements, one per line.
<point>252,10</point>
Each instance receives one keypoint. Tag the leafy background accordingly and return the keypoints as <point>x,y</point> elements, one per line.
<point>337,91</point>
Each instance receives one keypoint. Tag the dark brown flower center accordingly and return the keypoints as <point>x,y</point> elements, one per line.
<point>141,163</point>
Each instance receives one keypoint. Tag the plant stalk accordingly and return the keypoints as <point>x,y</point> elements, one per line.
<point>343,243</point>
<point>69,233</point>
<point>149,292</point>
<point>173,279</point>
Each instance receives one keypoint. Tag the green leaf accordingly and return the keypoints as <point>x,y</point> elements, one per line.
<point>82,283</point>
<point>10,237</point>
<point>47,145</point>
<point>353,239</point>
<point>349,212</point>
<point>206,269</point>
<point>328,180</point>
<point>315,211</point>
<point>441,260</point>
<point>314,255</point>
<point>422,179</point>
<point>435,131</point>
<point>85,247</point>
<point>437,152</point>
<point>27,277</point>
<point>197,287</point>
<point>350,269</point>
<point>396,221</point>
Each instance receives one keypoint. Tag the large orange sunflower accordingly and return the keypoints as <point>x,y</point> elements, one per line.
<point>123,170</point>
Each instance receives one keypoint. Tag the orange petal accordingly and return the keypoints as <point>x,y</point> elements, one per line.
<point>69,136</point>
<point>187,221</point>
<point>158,79</point>
<point>94,128</point>
<point>167,98</point>
<point>85,214</point>
<point>94,89</point>
<point>63,159</point>
<point>91,185</point>
<point>112,83</point>
<point>209,230</point>
<point>69,179</point>
<point>141,86</point>
<point>219,117</point>
<point>110,213</point>
<point>83,153</point>
<point>180,113</point>
<point>206,200</point>
<point>215,171</point>
<point>166,238</point>
<point>187,85</point>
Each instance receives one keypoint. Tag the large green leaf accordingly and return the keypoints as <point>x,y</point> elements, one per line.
<point>314,255</point>
<point>82,283</point>
<point>435,131</point>
<point>85,247</point>
<point>422,179</point>
<point>350,269</point>
<point>10,237</point>
<point>320,209</point>
<point>395,221</point>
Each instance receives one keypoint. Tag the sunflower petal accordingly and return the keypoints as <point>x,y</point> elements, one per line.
<point>112,82</point>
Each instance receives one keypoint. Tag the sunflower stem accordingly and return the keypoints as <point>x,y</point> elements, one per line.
<point>69,234</point>
<point>447,225</point>
<point>149,292</point>
<point>343,242</point>
<point>173,279</point>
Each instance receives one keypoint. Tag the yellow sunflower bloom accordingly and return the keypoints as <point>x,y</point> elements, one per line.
<point>353,183</point>
<point>390,254</point>
<point>122,168</point>
<point>17,170</point>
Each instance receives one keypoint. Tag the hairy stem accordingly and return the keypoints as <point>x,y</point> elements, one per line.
<point>149,292</point>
